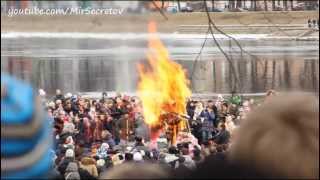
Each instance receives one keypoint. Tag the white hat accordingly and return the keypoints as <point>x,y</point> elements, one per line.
<point>69,153</point>
<point>128,149</point>
<point>68,95</point>
<point>142,152</point>
<point>137,156</point>
<point>51,104</point>
<point>100,162</point>
<point>42,92</point>
<point>105,146</point>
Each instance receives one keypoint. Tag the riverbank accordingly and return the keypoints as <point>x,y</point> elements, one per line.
<point>138,23</point>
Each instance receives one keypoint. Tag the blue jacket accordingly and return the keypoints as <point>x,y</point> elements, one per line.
<point>209,120</point>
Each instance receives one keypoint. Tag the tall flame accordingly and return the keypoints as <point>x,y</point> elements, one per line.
<point>163,87</point>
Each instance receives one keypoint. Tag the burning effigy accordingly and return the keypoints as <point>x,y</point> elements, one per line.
<point>163,90</point>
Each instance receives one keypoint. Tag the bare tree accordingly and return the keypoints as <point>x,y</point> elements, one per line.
<point>291,4</point>
<point>285,4</point>
<point>273,5</point>
<point>179,7</point>
<point>254,5</point>
<point>265,5</point>
<point>238,4</point>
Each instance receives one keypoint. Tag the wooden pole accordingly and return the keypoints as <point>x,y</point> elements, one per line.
<point>127,124</point>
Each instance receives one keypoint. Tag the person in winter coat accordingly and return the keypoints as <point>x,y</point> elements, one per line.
<point>69,157</point>
<point>88,130</point>
<point>72,172</point>
<point>97,129</point>
<point>107,138</point>
<point>89,164</point>
<point>223,136</point>
<point>208,119</point>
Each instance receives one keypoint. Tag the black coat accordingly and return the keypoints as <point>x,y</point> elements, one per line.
<point>84,174</point>
<point>222,137</point>
<point>64,164</point>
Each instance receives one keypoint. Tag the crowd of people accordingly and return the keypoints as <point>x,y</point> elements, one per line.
<point>313,23</point>
<point>93,135</point>
<point>107,138</point>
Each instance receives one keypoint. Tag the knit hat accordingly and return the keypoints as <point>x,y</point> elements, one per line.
<point>42,92</point>
<point>68,95</point>
<point>137,157</point>
<point>25,132</point>
<point>69,153</point>
<point>101,162</point>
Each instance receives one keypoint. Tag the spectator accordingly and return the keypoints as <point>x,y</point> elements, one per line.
<point>223,136</point>
<point>89,164</point>
<point>58,96</point>
<point>69,157</point>
<point>293,131</point>
<point>72,172</point>
<point>129,171</point>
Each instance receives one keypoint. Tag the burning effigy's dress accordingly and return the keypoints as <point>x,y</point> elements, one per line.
<point>171,124</point>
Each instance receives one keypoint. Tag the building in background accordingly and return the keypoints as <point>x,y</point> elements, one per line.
<point>142,6</point>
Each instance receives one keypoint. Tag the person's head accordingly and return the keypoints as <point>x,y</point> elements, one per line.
<point>281,137</point>
<point>104,95</point>
<point>105,134</point>
<point>224,106</point>
<point>210,103</point>
<point>126,115</point>
<point>68,104</point>
<point>69,153</point>
<point>137,157</point>
<point>58,102</point>
<point>173,150</point>
<point>129,171</point>
<point>58,92</point>
<point>104,146</point>
<point>196,152</point>
<point>42,93</point>
<point>221,127</point>
<point>138,139</point>
<point>199,105</point>
<point>185,151</point>
<point>128,156</point>
<point>101,163</point>
<point>62,114</point>
<point>25,132</point>
<point>219,148</point>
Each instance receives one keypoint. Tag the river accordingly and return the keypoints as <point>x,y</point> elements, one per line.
<point>108,63</point>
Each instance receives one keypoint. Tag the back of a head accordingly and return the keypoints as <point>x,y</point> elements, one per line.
<point>25,132</point>
<point>281,137</point>
<point>136,171</point>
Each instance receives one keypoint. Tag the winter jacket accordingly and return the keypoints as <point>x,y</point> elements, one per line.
<point>89,165</point>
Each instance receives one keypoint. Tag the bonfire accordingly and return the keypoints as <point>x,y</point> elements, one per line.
<point>163,90</point>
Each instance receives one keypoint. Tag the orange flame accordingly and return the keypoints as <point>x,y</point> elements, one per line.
<point>164,86</point>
